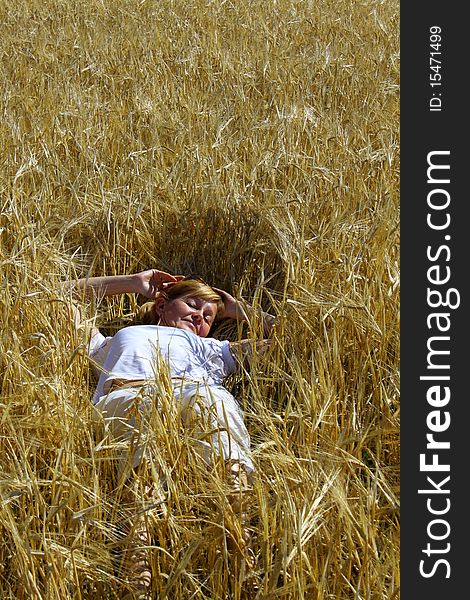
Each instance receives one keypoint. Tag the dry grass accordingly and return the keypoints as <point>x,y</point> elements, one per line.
<point>256,144</point>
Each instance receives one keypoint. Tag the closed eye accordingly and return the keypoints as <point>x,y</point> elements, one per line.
<point>194,303</point>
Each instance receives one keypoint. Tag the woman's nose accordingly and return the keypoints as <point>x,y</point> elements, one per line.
<point>197,315</point>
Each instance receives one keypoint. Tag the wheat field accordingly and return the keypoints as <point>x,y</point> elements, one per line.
<point>255,144</point>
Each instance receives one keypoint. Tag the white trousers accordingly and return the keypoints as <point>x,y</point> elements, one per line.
<point>219,427</point>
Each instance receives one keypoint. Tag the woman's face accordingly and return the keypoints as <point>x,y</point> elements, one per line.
<point>191,313</point>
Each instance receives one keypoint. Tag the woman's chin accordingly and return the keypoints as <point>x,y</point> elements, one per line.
<point>187,327</point>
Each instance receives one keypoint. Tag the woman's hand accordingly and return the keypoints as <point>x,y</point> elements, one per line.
<point>233,308</point>
<point>149,283</point>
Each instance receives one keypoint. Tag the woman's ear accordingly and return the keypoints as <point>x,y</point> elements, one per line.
<point>159,305</point>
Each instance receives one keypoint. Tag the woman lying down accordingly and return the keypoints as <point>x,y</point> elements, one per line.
<point>175,327</point>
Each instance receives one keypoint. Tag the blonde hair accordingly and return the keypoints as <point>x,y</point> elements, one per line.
<point>185,288</point>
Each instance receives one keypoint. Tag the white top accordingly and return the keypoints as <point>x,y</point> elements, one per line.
<point>133,353</point>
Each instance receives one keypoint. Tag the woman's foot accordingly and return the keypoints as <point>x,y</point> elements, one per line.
<point>135,567</point>
<point>239,537</point>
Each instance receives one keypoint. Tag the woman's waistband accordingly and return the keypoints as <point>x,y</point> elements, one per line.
<point>118,384</point>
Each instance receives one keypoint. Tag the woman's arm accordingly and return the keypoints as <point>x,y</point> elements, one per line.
<point>244,350</point>
<point>241,312</point>
<point>147,283</point>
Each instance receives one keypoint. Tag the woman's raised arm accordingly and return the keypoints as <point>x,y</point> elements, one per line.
<point>147,283</point>
<point>240,311</point>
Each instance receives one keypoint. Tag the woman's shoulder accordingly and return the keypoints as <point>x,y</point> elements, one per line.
<point>213,344</point>
<point>135,331</point>
<point>165,332</point>
<point>156,332</point>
